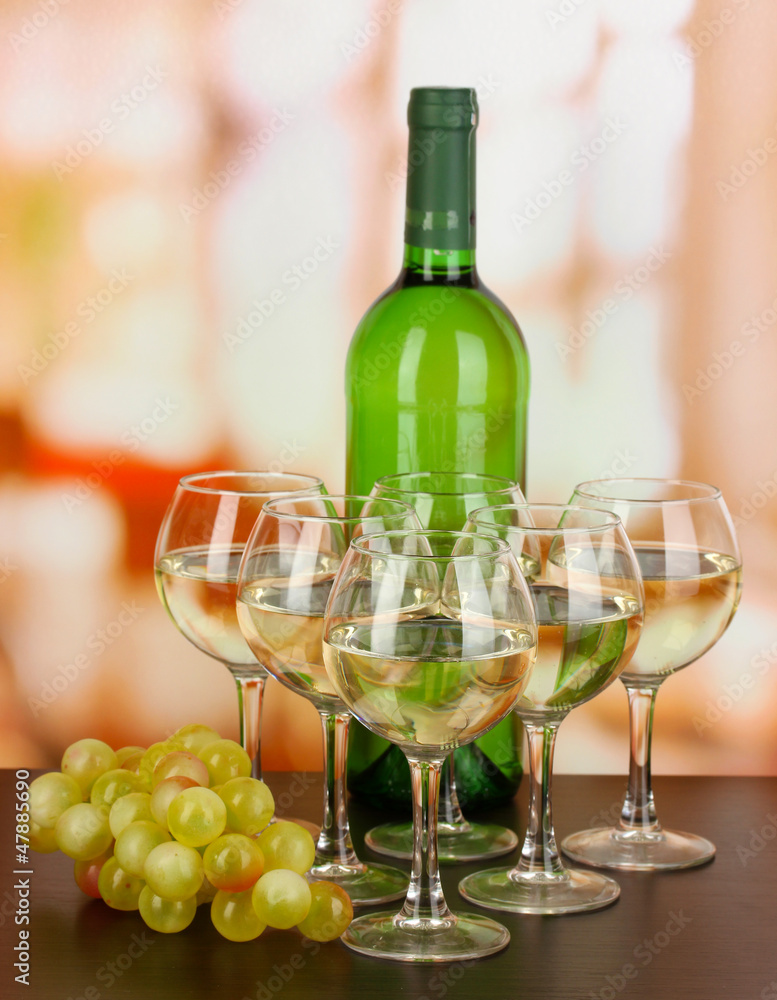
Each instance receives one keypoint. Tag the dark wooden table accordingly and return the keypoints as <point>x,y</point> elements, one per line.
<point>703,934</point>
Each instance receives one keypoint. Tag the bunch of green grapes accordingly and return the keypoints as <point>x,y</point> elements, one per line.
<point>167,828</point>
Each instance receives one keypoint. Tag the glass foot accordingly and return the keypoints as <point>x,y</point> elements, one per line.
<point>637,851</point>
<point>365,884</point>
<point>518,892</point>
<point>472,842</point>
<point>453,939</point>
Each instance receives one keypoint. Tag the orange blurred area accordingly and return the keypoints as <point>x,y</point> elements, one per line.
<point>167,173</point>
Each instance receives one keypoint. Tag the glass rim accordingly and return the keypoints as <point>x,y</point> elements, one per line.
<point>272,508</point>
<point>712,492</point>
<point>189,483</point>
<point>611,520</point>
<point>362,543</point>
<point>510,484</point>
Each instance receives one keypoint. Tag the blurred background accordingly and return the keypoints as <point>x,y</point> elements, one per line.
<point>201,197</point>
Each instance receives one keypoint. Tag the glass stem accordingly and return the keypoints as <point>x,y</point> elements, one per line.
<point>249,699</point>
<point>639,811</point>
<point>450,814</point>
<point>425,900</point>
<point>334,845</point>
<point>539,852</point>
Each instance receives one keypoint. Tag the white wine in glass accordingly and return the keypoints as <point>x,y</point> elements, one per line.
<point>688,553</point>
<point>198,552</point>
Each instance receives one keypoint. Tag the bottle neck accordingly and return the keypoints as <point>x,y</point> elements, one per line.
<point>440,206</point>
<point>422,265</point>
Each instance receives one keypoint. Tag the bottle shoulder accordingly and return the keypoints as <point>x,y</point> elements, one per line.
<point>436,316</point>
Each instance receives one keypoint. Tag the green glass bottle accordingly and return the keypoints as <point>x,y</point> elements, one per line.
<point>437,379</point>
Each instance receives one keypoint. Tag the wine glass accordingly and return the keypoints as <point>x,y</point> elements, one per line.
<point>198,552</point>
<point>429,639</point>
<point>442,501</point>
<point>587,595</point>
<point>691,566</point>
<point>285,577</point>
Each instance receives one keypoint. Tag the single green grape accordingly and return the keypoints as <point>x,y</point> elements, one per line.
<point>132,763</point>
<point>225,759</point>
<point>282,898</point>
<point>331,911</point>
<point>164,793</point>
<point>165,915</point>
<point>287,845</point>
<point>233,862</point>
<point>118,888</point>
<point>196,817</point>
<point>152,756</point>
<point>250,805</point>
<point>196,736</point>
<point>50,795</point>
<point>183,763</point>
<point>86,760</point>
<point>129,809</point>
<point>113,785</point>
<point>82,831</point>
<point>42,840</point>
<point>234,917</point>
<point>174,871</point>
<point>135,842</point>
<point>86,874</point>
<point>123,753</point>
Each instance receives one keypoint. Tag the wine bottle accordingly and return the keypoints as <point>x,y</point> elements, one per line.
<point>437,379</point>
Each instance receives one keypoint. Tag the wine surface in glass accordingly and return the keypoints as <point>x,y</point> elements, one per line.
<point>690,597</point>
<point>198,587</point>
<point>583,640</point>
<point>443,684</point>
<point>284,627</point>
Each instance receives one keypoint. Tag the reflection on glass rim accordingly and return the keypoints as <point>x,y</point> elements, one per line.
<point>697,492</point>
